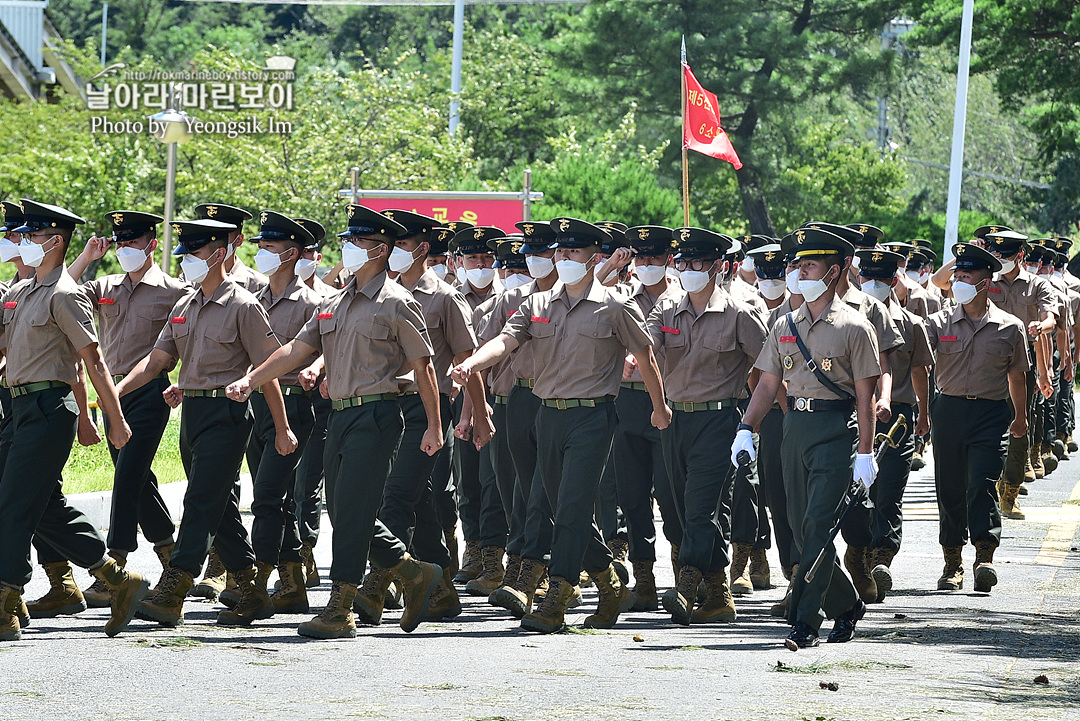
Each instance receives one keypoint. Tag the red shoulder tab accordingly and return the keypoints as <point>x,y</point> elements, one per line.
<point>106,301</point>
<point>178,319</point>
<point>994,290</point>
<point>8,305</point>
<point>512,313</point>
<point>538,319</point>
<point>669,329</point>
<point>325,316</point>
<point>946,337</point>
<point>787,339</point>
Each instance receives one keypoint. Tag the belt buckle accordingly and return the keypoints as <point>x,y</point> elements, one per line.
<point>560,404</point>
<point>972,398</point>
<point>802,404</point>
<point>213,393</point>
<point>688,407</point>
<point>288,390</point>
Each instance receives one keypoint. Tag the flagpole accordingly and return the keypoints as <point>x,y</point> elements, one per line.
<point>685,171</point>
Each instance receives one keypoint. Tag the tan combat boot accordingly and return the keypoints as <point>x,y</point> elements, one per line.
<point>370,599</point>
<point>126,590</point>
<point>719,605</point>
<point>513,570</point>
<point>291,594</point>
<point>444,602</point>
<point>492,576</point>
<point>679,601</point>
<point>880,569</point>
<point>472,563</point>
<point>255,603</point>
<point>10,602</point>
<point>418,581</point>
<point>615,598</point>
<point>166,604</point>
<point>780,610</point>
<point>620,551</point>
<point>449,535</point>
<point>164,555</point>
<point>984,572</point>
<point>213,581</point>
<point>855,563</point>
<point>741,585</point>
<point>760,573</point>
<point>231,595</point>
<point>1029,472</point>
<point>550,616</point>
<point>1035,459</point>
<point>97,594</point>
<point>952,576</point>
<point>311,569</point>
<point>1010,505</point>
<point>63,598</point>
<point>645,598</point>
<point>517,596</point>
<point>336,618</point>
<point>1049,460</point>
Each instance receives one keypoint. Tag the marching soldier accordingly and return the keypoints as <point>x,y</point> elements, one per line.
<point>709,342</point>
<point>365,334</point>
<point>132,307</point>
<point>836,373</point>
<point>239,273</point>
<point>582,331</point>
<point>982,362</point>
<point>48,328</point>
<point>217,331</point>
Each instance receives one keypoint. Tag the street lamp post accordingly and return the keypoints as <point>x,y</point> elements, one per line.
<point>170,127</point>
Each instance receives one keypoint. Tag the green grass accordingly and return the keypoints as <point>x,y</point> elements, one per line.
<point>847,665</point>
<point>89,468</point>
<point>169,642</point>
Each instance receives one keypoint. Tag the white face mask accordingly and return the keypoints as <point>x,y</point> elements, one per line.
<point>354,257</point>
<point>772,288</point>
<point>131,259</point>
<point>1033,269</point>
<point>480,277</point>
<point>266,262</point>
<point>9,250</point>
<point>539,266</point>
<point>915,276</point>
<point>571,271</point>
<point>792,281</point>
<point>878,289</point>
<point>650,274</point>
<point>694,280</point>
<point>32,253</point>
<point>305,267</point>
<point>855,262</point>
<point>747,265</point>
<point>229,250</point>
<point>462,275</point>
<point>401,260</point>
<point>924,275</point>
<point>672,274</point>
<point>813,289</point>
<point>1058,274</point>
<point>1007,266</point>
<point>439,269</point>
<point>195,269</point>
<point>515,280</point>
<point>963,292</point>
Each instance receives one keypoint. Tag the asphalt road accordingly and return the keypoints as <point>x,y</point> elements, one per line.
<point>921,654</point>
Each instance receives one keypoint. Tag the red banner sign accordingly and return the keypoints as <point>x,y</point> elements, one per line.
<point>499,213</point>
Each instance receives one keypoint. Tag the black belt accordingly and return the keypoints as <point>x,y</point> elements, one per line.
<point>29,388</point>
<point>973,398</point>
<point>814,405</point>
<point>212,393</point>
<point>706,406</point>
<point>525,382</point>
<point>343,403</point>
<point>163,375</point>
<point>564,403</point>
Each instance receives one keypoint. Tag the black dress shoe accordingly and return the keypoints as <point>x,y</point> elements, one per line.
<point>844,628</point>
<point>803,636</point>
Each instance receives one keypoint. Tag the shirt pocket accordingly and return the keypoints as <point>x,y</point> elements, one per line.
<point>596,329</point>
<point>222,335</point>
<point>373,330</point>
<point>286,331</point>
<point>108,310</point>
<point>150,319</point>
<point>541,330</point>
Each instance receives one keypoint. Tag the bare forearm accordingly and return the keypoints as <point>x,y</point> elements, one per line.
<point>1018,392</point>
<point>864,408</point>
<point>280,362</point>
<point>428,387</point>
<point>942,277</point>
<point>920,382</point>
<point>650,374</point>
<point>492,352</point>
<point>885,382</point>
<point>98,374</point>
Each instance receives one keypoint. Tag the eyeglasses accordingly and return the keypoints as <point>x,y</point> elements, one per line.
<point>697,264</point>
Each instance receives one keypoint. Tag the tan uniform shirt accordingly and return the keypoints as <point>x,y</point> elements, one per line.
<point>131,316</point>
<point>579,345</point>
<point>251,280</point>
<point>217,339</point>
<point>1026,296</point>
<point>841,341</point>
<point>974,357</point>
<point>1061,291</point>
<point>46,324</point>
<point>707,357</point>
<point>645,302</point>
<point>915,351</point>
<point>747,294</point>
<point>449,327</point>
<point>288,313</point>
<point>366,335</point>
<point>918,300</point>
<point>888,336</point>
<point>523,360</point>
<point>475,298</point>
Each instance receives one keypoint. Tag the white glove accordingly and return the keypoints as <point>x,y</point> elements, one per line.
<point>865,469</point>
<point>744,441</point>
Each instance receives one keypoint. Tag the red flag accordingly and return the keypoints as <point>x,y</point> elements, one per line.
<point>701,123</point>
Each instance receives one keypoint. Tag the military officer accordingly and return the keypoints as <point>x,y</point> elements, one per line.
<point>365,334</point>
<point>48,327</point>
<point>710,342</point>
<point>582,331</point>
<point>216,330</point>
<point>982,362</point>
<point>843,348</point>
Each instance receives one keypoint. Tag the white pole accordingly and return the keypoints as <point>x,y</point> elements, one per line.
<point>956,162</point>
<point>104,30</point>
<point>455,72</point>
<point>170,197</point>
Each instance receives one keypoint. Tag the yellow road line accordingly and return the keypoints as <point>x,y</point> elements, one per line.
<point>1064,521</point>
